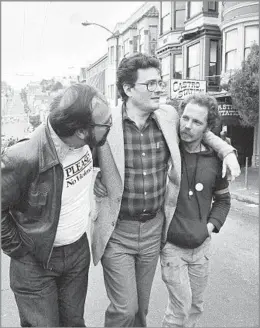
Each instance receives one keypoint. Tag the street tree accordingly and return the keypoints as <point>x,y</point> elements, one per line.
<point>244,88</point>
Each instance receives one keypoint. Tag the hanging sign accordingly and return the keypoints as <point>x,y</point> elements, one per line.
<point>227,110</point>
<point>181,88</point>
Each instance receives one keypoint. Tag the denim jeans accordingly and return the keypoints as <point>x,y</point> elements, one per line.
<point>129,265</point>
<point>53,297</point>
<point>185,273</point>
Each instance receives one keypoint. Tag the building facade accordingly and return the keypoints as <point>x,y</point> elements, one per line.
<point>199,44</point>
<point>201,41</point>
<point>95,74</point>
<point>137,34</point>
<point>239,28</point>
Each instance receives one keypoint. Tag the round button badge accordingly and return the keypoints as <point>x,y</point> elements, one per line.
<point>199,186</point>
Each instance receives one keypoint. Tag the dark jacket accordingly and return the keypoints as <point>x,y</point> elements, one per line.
<point>32,181</point>
<point>188,228</point>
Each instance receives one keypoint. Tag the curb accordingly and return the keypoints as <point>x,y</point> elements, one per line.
<point>246,199</point>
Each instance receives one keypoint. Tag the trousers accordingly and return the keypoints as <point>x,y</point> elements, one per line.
<point>129,265</point>
<point>53,297</point>
<point>185,273</point>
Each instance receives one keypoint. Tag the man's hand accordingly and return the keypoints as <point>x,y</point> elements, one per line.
<point>100,189</point>
<point>210,227</point>
<point>230,162</point>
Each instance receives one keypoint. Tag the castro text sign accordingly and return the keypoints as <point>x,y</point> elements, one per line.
<point>227,110</point>
<point>182,88</point>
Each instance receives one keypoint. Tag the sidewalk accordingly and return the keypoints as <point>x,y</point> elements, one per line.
<point>251,193</point>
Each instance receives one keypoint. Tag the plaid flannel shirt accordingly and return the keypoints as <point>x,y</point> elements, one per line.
<point>146,165</point>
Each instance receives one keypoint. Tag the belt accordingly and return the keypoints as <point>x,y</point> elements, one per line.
<point>75,243</point>
<point>141,217</point>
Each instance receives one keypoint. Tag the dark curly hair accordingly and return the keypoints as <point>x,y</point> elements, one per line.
<point>204,100</point>
<point>72,109</point>
<point>127,70</point>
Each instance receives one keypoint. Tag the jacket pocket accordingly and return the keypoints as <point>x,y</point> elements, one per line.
<point>36,203</point>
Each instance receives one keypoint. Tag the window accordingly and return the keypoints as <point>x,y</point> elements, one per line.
<point>112,55</point>
<point>194,61</point>
<point>177,71</point>
<point>212,6</point>
<point>119,52</point>
<point>195,7</point>
<point>179,14</point>
<point>251,36</point>
<point>141,40</point>
<point>166,16</point>
<point>165,68</point>
<point>153,30</point>
<point>135,41</point>
<point>231,50</point>
<point>152,33</point>
<point>153,47</point>
<point>126,47</point>
<point>213,58</point>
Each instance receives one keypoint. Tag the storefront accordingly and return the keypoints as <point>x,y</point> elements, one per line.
<point>242,138</point>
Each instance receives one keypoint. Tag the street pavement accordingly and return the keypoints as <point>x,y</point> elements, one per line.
<point>15,128</point>
<point>231,299</point>
<point>246,187</point>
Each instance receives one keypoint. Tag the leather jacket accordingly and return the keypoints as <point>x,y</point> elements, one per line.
<point>32,182</point>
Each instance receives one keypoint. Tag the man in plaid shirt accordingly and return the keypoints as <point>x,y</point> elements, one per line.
<point>137,188</point>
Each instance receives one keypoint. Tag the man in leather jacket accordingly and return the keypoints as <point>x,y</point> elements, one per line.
<point>46,184</point>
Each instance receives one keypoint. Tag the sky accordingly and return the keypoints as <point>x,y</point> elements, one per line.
<point>42,39</point>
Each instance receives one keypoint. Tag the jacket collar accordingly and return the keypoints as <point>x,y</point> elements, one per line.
<point>61,148</point>
<point>46,152</point>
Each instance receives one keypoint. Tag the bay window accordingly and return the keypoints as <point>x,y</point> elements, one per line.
<point>194,61</point>
<point>231,50</point>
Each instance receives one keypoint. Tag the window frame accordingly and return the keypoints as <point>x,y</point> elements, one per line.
<point>248,47</point>
<point>174,66</point>
<point>141,39</point>
<point>175,11</point>
<point>153,43</point>
<point>232,50</point>
<point>213,80</point>
<point>215,6</point>
<point>126,41</point>
<point>112,54</point>
<point>189,10</point>
<point>198,65</point>
<point>162,31</point>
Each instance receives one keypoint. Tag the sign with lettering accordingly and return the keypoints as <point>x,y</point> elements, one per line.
<point>181,88</point>
<point>227,110</point>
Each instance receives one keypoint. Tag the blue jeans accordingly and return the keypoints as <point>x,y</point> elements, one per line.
<point>129,265</point>
<point>53,297</point>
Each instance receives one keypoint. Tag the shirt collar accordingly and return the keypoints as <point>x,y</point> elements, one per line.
<point>62,149</point>
<point>126,117</point>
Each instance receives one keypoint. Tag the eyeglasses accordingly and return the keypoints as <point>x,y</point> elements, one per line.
<point>152,85</point>
<point>108,125</point>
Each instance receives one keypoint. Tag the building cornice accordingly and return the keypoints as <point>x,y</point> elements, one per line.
<point>239,5</point>
<point>168,48</point>
<point>97,62</point>
<point>200,30</point>
<point>241,20</point>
